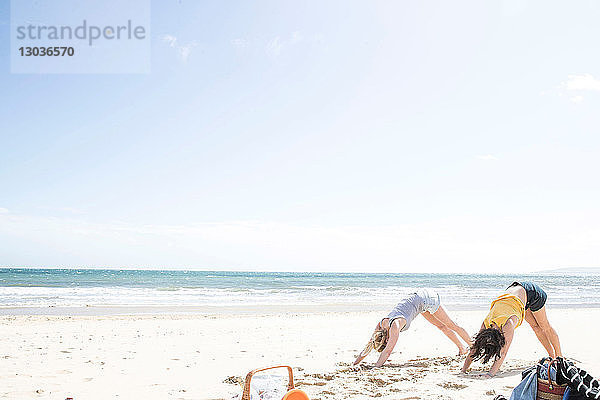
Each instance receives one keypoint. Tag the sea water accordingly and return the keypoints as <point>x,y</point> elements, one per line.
<point>20,287</point>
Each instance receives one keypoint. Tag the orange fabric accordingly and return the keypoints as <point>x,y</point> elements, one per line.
<point>504,307</point>
<point>295,394</point>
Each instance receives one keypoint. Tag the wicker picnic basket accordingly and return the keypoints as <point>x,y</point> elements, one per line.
<point>291,394</point>
<point>546,388</point>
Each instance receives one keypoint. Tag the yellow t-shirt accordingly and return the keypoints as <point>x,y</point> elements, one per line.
<point>504,307</point>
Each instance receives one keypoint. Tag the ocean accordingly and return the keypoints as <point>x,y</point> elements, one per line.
<point>41,288</point>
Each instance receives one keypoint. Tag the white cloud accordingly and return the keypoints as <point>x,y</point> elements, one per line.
<point>3,210</point>
<point>576,99</point>
<point>451,244</point>
<point>575,87</point>
<point>69,210</point>
<point>239,43</point>
<point>582,82</point>
<point>183,50</point>
<point>296,37</point>
<point>274,46</point>
<point>186,50</point>
<point>487,157</point>
<point>170,39</point>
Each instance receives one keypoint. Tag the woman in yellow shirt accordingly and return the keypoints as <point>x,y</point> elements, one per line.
<point>522,300</point>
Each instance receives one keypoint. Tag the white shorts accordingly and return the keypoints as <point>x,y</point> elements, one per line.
<point>431,300</point>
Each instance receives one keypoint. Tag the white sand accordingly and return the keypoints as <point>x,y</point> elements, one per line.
<point>189,356</point>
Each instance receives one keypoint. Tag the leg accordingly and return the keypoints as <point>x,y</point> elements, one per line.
<point>446,331</point>
<point>544,340</point>
<point>542,320</point>
<point>443,316</point>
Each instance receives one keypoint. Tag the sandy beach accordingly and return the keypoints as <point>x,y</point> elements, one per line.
<point>204,356</point>
<point>192,190</point>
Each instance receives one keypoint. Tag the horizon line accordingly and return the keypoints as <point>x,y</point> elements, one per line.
<point>179,269</point>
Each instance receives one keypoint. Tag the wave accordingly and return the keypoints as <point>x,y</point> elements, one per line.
<point>452,295</point>
<point>22,287</point>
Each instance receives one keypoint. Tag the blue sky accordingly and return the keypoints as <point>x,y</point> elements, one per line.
<point>331,135</point>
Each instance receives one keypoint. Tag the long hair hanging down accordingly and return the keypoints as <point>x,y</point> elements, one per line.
<point>380,339</point>
<point>488,345</point>
<point>378,342</point>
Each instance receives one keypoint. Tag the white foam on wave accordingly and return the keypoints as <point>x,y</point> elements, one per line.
<point>453,296</point>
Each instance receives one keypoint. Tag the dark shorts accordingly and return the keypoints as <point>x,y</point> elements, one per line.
<point>536,297</point>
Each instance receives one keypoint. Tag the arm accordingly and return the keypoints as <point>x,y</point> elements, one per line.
<point>392,339</point>
<point>469,358</point>
<point>509,330</point>
<point>364,354</point>
<point>360,357</point>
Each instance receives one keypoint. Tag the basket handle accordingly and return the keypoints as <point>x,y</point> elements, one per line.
<point>552,361</point>
<point>246,394</point>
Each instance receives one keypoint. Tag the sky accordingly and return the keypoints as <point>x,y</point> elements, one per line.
<point>315,136</point>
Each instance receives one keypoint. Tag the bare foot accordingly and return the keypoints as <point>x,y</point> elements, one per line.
<point>463,351</point>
